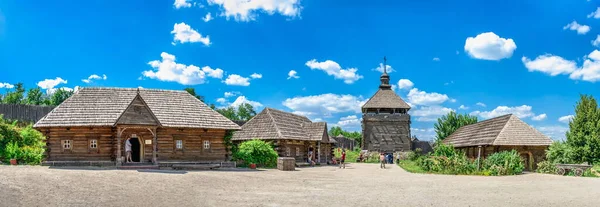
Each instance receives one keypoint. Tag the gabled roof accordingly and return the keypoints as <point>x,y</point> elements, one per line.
<point>271,124</point>
<point>502,130</point>
<point>385,98</point>
<point>104,106</point>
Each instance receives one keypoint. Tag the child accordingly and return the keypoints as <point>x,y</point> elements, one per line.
<point>342,161</point>
<point>382,160</point>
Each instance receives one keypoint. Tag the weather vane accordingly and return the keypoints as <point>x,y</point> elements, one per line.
<point>384,64</point>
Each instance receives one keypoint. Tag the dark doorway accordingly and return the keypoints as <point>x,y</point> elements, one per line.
<point>135,149</point>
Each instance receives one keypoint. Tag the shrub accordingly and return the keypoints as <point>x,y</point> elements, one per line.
<point>12,151</point>
<point>415,155</point>
<point>546,167</point>
<point>560,152</point>
<point>504,163</point>
<point>258,152</point>
<point>446,159</point>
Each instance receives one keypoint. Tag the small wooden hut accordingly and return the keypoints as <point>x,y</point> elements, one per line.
<point>293,135</point>
<point>163,126</point>
<point>502,133</point>
<point>344,142</point>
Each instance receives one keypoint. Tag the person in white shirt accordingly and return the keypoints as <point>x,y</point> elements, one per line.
<point>128,151</point>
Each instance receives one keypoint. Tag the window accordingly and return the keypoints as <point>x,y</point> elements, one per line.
<point>66,144</point>
<point>287,151</point>
<point>178,144</point>
<point>206,144</point>
<point>297,151</point>
<point>93,144</point>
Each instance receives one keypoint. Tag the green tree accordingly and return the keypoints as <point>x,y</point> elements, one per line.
<point>192,91</point>
<point>245,112</point>
<point>16,96</point>
<point>228,112</point>
<point>59,96</point>
<point>35,96</point>
<point>584,131</point>
<point>258,152</point>
<point>335,131</point>
<point>448,124</point>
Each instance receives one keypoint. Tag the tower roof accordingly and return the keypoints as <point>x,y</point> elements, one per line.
<point>385,96</point>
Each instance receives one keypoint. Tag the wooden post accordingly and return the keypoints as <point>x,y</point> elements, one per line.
<point>118,160</point>
<point>154,147</point>
<point>319,151</point>
<point>479,157</point>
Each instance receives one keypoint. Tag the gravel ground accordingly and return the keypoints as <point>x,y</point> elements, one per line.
<point>357,185</point>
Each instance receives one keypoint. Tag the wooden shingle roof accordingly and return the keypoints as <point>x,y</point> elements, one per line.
<point>502,130</point>
<point>104,106</point>
<point>272,124</point>
<point>385,98</point>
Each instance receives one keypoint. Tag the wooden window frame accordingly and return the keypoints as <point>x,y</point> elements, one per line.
<point>182,145</point>
<point>90,142</point>
<point>204,143</point>
<point>62,145</point>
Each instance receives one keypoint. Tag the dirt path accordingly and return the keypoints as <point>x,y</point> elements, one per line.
<point>358,185</point>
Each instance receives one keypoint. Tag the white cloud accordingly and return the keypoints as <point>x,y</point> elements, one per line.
<point>208,17</point>
<point>184,33</point>
<point>423,134</point>
<point>436,59</point>
<point>351,121</point>
<point>222,100</point>
<point>539,117</point>
<point>324,104</point>
<point>237,80</point>
<point>182,4</point>
<point>596,42</point>
<point>332,68</point>
<point>405,84</point>
<point>448,83</point>
<point>242,99</point>
<point>595,14</point>
<point>566,119</point>
<point>168,70</point>
<point>480,104</point>
<point>231,94</point>
<point>94,77</point>
<point>590,71</point>
<point>549,64</point>
<point>429,113</point>
<point>463,107</point>
<point>581,29</point>
<point>293,74</point>
<point>245,10</point>
<point>417,97</point>
<point>256,76</point>
<point>554,132</point>
<point>6,85</point>
<point>523,111</point>
<point>50,84</point>
<point>389,68</point>
<point>489,46</point>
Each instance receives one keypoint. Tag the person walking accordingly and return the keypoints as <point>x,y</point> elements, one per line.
<point>343,160</point>
<point>382,160</point>
<point>128,151</point>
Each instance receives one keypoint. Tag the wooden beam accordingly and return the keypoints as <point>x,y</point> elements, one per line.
<point>154,147</point>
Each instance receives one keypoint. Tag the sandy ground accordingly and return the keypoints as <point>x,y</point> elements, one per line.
<point>357,185</point>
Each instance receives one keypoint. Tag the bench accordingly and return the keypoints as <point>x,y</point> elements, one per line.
<point>195,166</point>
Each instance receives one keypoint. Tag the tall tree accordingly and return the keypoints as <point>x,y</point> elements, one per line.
<point>449,123</point>
<point>193,92</point>
<point>35,96</point>
<point>245,112</point>
<point>16,96</point>
<point>228,112</point>
<point>59,96</point>
<point>335,131</point>
<point>584,131</point>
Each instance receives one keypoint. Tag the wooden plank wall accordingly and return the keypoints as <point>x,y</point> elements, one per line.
<point>28,113</point>
<point>193,145</point>
<point>80,137</point>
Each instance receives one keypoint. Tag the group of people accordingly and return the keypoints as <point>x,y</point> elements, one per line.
<point>384,159</point>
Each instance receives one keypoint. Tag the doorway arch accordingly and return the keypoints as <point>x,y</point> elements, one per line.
<point>137,148</point>
<point>528,160</point>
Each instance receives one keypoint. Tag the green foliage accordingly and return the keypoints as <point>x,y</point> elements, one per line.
<point>258,152</point>
<point>446,159</point>
<point>15,96</point>
<point>245,112</point>
<point>59,96</point>
<point>560,153</point>
<point>504,163</point>
<point>12,151</point>
<point>584,131</point>
<point>229,146</point>
<point>23,143</point>
<point>35,96</point>
<point>336,131</point>
<point>448,124</point>
<point>411,166</point>
<point>546,167</point>
<point>415,155</point>
<point>192,91</point>
<point>229,113</point>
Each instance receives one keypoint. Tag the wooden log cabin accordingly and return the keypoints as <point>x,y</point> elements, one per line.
<point>293,135</point>
<point>502,133</point>
<point>163,127</point>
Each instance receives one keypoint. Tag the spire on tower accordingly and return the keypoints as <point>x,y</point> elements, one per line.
<point>384,64</point>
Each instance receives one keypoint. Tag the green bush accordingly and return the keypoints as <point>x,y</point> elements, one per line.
<point>415,155</point>
<point>22,143</point>
<point>546,167</point>
<point>560,153</point>
<point>31,155</point>
<point>504,163</point>
<point>12,151</point>
<point>257,152</point>
<point>446,159</point>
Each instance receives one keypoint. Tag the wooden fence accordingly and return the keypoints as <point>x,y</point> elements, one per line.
<point>26,113</point>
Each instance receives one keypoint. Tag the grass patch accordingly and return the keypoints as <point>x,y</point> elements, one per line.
<point>411,166</point>
<point>352,156</point>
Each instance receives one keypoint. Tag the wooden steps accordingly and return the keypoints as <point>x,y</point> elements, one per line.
<point>195,166</point>
<point>138,166</point>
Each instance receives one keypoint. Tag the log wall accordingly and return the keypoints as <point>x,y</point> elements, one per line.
<point>80,144</point>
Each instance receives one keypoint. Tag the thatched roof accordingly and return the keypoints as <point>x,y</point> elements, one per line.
<point>104,106</point>
<point>273,124</point>
<point>385,98</point>
<point>502,130</point>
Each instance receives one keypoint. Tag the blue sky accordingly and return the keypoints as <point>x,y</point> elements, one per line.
<point>530,58</point>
